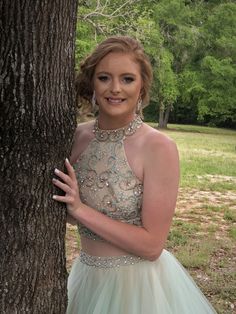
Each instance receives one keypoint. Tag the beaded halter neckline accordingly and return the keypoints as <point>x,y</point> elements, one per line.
<point>117,134</point>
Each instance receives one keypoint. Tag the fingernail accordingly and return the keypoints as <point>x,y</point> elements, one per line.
<point>67,160</point>
<point>54,197</point>
<point>54,180</point>
<point>56,170</point>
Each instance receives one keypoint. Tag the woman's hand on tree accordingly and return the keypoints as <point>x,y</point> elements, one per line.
<point>70,186</point>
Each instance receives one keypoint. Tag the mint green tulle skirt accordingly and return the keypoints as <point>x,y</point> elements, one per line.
<point>130,285</point>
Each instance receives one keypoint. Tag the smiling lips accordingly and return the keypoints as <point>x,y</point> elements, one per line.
<point>115,100</point>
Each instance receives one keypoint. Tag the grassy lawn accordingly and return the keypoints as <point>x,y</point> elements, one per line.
<point>203,233</point>
<point>208,156</point>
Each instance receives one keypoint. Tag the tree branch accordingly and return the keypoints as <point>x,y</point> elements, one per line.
<point>99,11</point>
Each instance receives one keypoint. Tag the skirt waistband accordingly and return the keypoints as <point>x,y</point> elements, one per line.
<point>109,261</point>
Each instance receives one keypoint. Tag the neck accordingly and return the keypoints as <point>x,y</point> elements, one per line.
<point>112,123</point>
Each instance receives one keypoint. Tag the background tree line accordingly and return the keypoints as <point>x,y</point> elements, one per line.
<point>192,47</point>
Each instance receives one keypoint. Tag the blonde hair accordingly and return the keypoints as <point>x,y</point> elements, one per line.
<point>122,44</point>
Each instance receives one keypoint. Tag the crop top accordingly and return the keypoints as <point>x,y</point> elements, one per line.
<point>106,181</point>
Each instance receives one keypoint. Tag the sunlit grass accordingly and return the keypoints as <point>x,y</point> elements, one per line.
<point>230,215</point>
<point>206,247</point>
<point>207,156</point>
<point>232,232</point>
<point>195,128</point>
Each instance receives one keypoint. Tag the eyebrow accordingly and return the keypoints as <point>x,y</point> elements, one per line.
<point>107,73</point>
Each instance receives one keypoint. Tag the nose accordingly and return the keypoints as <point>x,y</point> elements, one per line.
<point>115,86</point>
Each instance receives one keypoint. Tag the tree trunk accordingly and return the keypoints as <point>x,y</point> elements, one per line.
<point>37,122</point>
<point>167,114</point>
<point>163,116</point>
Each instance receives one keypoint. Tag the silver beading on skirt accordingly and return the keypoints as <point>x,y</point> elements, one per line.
<point>109,261</point>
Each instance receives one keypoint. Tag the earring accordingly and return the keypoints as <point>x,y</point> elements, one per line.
<point>93,101</point>
<point>139,106</point>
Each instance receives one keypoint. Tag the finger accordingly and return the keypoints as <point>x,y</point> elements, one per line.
<point>70,170</point>
<point>62,199</point>
<point>64,177</point>
<point>64,187</point>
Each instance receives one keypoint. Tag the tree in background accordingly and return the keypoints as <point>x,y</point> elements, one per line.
<point>218,67</point>
<point>37,122</point>
<point>217,102</point>
<point>209,81</point>
<point>175,19</point>
<point>165,87</point>
<point>142,20</point>
<point>98,19</point>
<point>179,36</point>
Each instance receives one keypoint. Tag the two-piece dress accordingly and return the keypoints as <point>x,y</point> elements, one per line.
<point>123,284</point>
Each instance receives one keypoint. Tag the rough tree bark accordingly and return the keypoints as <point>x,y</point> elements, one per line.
<point>37,121</point>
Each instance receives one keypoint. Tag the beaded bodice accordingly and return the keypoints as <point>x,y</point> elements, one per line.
<point>106,181</point>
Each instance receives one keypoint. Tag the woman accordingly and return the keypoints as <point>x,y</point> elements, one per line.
<point>122,194</point>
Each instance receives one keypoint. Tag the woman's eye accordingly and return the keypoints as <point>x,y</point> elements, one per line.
<point>103,78</point>
<point>128,79</point>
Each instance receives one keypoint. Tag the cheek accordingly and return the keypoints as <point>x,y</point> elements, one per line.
<point>136,89</point>
<point>100,86</point>
<point>139,84</point>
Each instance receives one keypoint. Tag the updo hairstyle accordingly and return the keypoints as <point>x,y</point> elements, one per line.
<point>122,44</point>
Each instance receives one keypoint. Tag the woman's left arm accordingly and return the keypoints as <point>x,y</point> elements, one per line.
<point>161,178</point>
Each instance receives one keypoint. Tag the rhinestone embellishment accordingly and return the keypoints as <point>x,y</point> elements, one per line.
<point>117,134</point>
<point>107,183</point>
<point>109,261</point>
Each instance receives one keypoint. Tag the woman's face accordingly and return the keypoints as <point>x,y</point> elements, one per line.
<point>117,85</point>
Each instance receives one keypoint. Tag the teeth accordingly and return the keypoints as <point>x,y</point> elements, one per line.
<point>115,100</point>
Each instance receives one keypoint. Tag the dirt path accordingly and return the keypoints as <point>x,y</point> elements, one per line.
<point>192,198</point>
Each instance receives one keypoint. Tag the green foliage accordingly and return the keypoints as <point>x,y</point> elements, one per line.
<point>220,31</point>
<point>83,46</point>
<point>165,86</point>
<point>190,85</point>
<point>191,45</point>
<point>218,99</point>
<point>206,87</point>
<point>166,78</point>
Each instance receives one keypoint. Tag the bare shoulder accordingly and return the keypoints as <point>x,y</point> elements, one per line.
<point>157,143</point>
<point>83,135</point>
<point>161,158</point>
